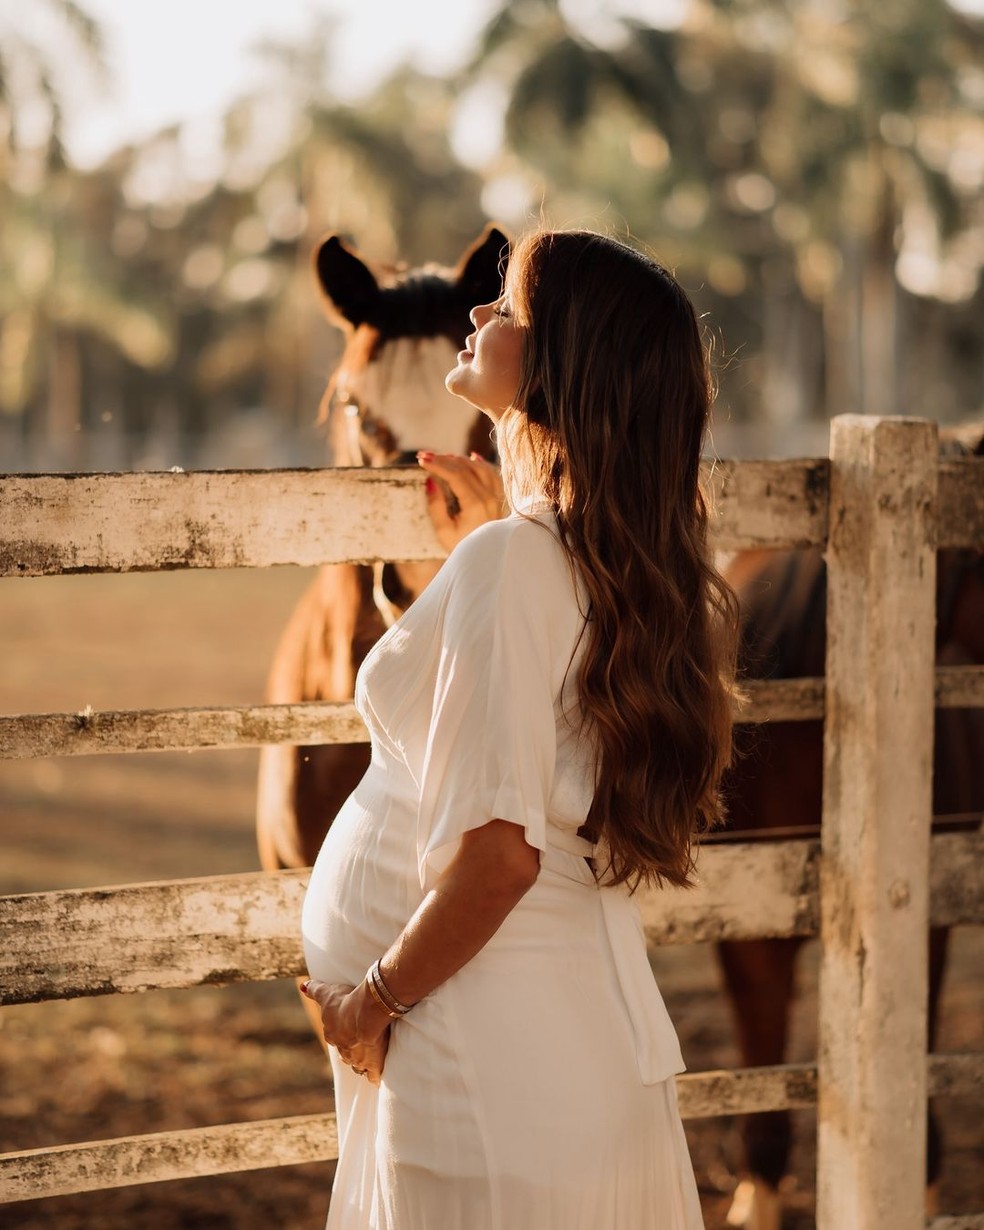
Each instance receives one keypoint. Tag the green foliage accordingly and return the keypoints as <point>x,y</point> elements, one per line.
<point>788,159</point>
<point>765,136</point>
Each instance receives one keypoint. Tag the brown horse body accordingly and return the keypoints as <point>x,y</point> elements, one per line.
<point>386,400</point>
<point>777,783</point>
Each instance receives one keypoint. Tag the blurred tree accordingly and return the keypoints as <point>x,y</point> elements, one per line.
<point>382,173</point>
<point>779,151</point>
<point>57,285</point>
<point>34,81</point>
<point>155,299</point>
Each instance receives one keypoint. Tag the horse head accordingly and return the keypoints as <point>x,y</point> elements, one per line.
<point>386,399</point>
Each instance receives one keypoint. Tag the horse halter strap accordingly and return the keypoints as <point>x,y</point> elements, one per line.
<point>360,422</point>
<point>354,416</point>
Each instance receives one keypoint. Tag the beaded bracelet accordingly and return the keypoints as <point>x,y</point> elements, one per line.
<point>382,994</point>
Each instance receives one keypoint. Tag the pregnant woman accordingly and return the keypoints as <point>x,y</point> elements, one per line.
<point>549,722</point>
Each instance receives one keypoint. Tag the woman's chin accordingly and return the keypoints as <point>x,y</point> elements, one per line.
<point>456,382</point>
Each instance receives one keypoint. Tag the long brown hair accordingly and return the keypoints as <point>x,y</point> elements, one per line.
<point>608,425</point>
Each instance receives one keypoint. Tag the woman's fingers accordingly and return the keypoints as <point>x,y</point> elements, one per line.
<point>365,1058</point>
<point>437,508</point>
<point>475,484</point>
<point>368,1059</point>
<point>323,993</point>
<point>335,1001</point>
<point>328,996</point>
<point>467,477</point>
<point>487,474</point>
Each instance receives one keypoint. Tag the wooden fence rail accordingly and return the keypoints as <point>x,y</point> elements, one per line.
<point>196,1152</point>
<point>172,730</point>
<point>73,523</point>
<point>135,522</point>
<point>243,928</point>
<point>889,503</point>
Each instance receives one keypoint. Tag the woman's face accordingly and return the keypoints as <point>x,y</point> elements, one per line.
<point>490,367</point>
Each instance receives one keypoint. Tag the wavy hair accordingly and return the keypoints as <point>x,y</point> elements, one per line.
<point>608,425</point>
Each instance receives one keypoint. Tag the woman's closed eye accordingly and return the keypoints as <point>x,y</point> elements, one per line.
<point>501,310</point>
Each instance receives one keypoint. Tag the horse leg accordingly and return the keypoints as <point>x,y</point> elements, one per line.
<point>958,787</point>
<point>939,939</point>
<point>759,978</point>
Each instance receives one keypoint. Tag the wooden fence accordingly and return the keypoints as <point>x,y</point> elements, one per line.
<point>880,505</point>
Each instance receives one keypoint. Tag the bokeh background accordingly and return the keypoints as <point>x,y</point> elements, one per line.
<point>812,170</point>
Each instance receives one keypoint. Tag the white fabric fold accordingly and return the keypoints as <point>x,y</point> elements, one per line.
<point>656,1044</point>
<point>657,1047</point>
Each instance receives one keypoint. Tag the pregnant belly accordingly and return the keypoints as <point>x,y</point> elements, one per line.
<point>363,886</point>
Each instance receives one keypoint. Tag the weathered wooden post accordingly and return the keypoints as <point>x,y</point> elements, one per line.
<point>876,824</point>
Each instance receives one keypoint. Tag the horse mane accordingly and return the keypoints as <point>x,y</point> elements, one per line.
<point>425,302</point>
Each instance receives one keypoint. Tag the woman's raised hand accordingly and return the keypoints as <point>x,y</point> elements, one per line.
<point>476,485</point>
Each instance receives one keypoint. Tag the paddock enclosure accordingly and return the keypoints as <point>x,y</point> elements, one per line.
<point>880,505</point>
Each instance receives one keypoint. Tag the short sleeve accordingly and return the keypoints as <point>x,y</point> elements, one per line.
<point>492,741</point>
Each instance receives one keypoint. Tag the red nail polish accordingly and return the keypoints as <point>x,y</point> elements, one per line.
<point>304,987</point>
<point>430,486</point>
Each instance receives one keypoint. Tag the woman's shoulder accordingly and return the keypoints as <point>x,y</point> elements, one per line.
<point>518,560</point>
<point>510,542</point>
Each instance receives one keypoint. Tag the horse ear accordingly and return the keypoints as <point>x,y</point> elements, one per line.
<point>351,291</point>
<point>482,268</point>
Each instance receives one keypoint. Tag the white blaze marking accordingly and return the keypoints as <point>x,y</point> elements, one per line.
<point>404,386</point>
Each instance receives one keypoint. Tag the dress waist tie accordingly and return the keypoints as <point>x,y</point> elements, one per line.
<point>656,1045</point>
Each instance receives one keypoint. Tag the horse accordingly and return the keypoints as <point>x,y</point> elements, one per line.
<point>385,400</point>
<point>776,781</point>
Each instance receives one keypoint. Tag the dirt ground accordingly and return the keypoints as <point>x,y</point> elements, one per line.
<point>125,1065</point>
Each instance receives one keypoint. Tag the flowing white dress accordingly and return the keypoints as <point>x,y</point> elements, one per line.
<point>534,1089</point>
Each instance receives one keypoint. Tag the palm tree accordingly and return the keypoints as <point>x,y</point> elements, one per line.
<point>32,75</point>
<point>57,283</point>
<point>762,144</point>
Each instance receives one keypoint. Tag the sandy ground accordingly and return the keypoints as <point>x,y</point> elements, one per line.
<point>91,1069</point>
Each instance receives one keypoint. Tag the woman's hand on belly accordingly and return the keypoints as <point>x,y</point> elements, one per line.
<point>354,1024</point>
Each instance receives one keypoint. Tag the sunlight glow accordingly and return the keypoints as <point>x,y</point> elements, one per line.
<point>187,59</point>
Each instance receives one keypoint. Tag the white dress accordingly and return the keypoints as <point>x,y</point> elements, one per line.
<point>534,1089</point>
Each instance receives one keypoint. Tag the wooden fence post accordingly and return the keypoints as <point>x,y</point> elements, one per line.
<point>876,824</point>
